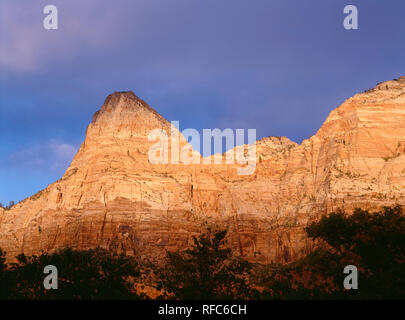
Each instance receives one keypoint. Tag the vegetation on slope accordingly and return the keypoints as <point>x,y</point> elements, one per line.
<point>373,242</point>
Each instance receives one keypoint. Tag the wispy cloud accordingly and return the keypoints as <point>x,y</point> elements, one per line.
<point>26,46</point>
<point>52,157</point>
<point>277,66</point>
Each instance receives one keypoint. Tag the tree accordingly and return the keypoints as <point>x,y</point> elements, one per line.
<point>85,275</point>
<point>206,271</point>
<point>4,282</point>
<point>10,205</point>
<point>374,242</point>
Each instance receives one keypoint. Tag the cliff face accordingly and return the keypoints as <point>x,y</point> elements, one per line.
<point>112,196</point>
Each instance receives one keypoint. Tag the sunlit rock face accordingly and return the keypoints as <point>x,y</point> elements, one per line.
<point>112,196</point>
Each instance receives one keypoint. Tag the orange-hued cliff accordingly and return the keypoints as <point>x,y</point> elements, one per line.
<point>112,196</point>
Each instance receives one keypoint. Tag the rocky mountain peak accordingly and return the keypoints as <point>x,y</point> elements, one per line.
<point>375,107</point>
<point>117,95</point>
<point>125,105</point>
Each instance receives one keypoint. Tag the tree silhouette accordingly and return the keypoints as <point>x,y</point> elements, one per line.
<point>374,242</point>
<point>205,271</point>
<point>85,275</point>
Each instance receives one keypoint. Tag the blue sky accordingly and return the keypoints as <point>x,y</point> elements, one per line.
<point>277,66</point>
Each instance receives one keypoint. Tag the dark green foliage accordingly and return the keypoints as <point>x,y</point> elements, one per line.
<point>91,274</point>
<point>4,285</point>
<point>308,278</point>
<point>375,238</point>
<point>205,271</point>
<point>374,242</point>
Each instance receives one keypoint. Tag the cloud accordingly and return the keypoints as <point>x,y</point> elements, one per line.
<point>25,45</point>
<point>52,157</point>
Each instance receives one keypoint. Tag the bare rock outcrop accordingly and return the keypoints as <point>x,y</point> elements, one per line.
<point>112,196</point>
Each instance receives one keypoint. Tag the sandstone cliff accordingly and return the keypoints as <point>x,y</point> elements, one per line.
<point>112,196</point>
